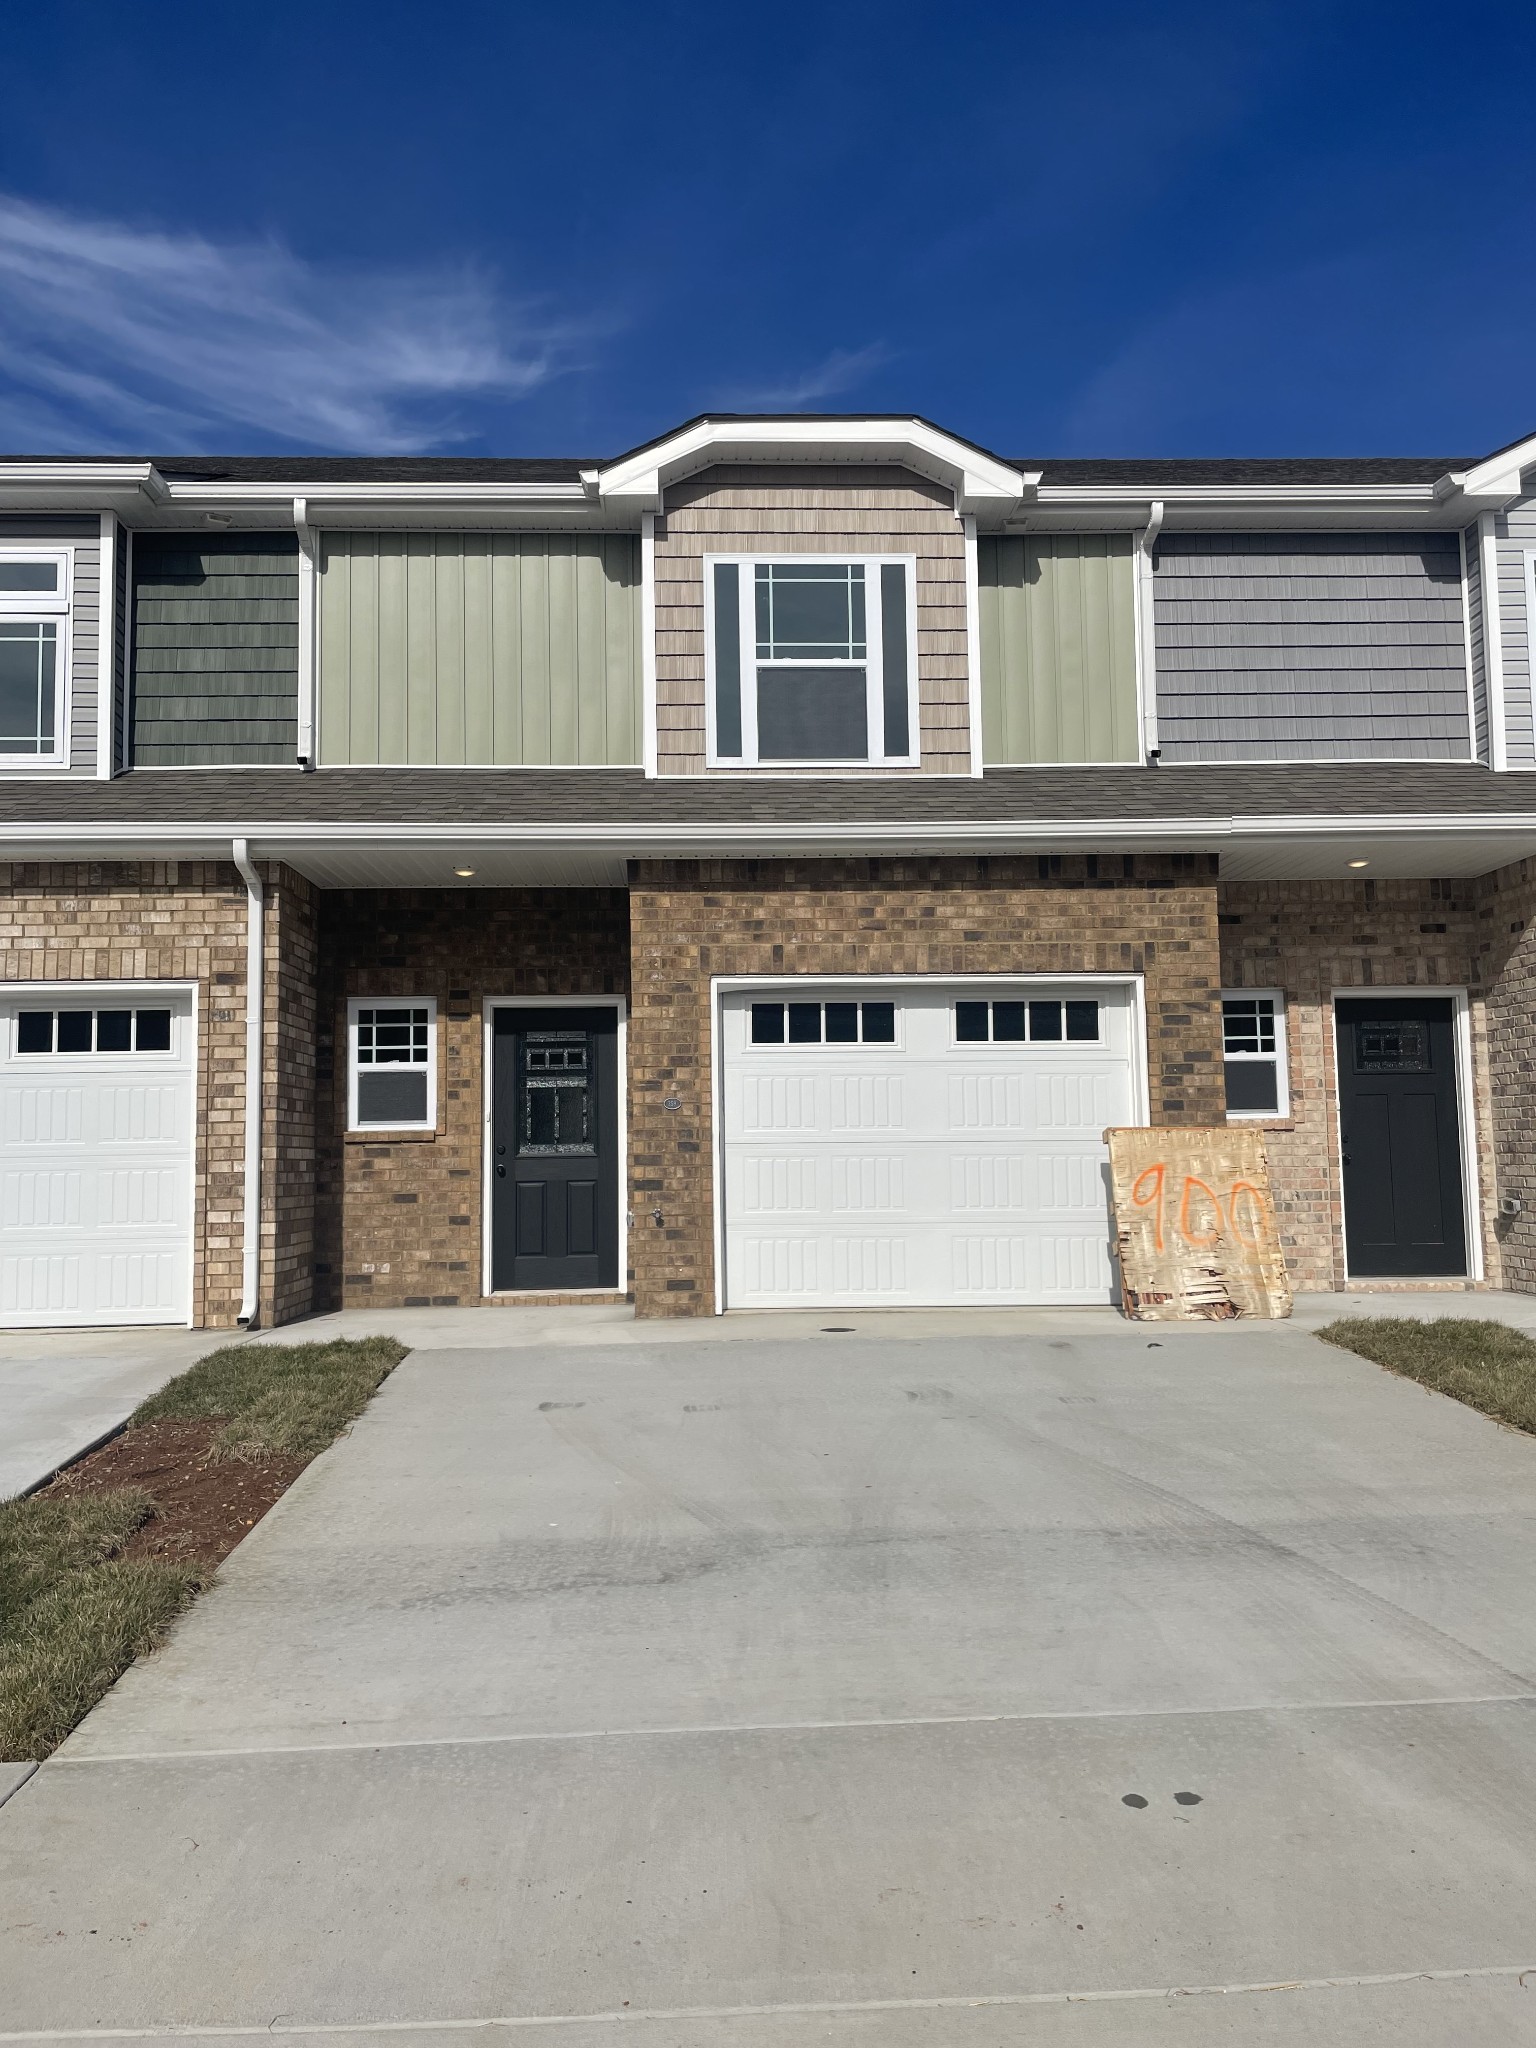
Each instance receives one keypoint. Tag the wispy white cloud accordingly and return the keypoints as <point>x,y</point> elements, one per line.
<point>837,372</point>
<point>116,336</point>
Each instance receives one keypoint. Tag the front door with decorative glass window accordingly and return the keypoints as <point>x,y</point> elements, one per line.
<point>554,1149</point>
<point>1401,1137</point>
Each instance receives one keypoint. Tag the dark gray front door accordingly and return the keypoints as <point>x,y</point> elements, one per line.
<point>1401,1133</point>
<point>554,1149</point>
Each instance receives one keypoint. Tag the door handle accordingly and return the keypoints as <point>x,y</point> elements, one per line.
<point>501,1173</point>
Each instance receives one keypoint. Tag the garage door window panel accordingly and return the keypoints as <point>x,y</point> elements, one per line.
<point>64,1032</point>
<point>833,1023</point>
<point>1036,1021</point>
<point>811,661</point>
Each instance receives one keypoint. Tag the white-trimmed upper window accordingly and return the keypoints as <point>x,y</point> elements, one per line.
<point>812,660</point>
<point>1254,1054</point>
<point>34,654</point>
<point>392,1063</point>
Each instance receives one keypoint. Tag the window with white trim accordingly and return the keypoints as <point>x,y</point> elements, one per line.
<point>34,654</point>
<point>812,660</point>
<point>392,1063</point>
<point>1254,1053</point>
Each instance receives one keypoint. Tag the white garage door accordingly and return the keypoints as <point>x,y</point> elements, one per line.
<point>95,1157</point>
<point>922,1144</point>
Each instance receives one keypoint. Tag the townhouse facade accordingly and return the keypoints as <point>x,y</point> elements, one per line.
<point>754,871</point>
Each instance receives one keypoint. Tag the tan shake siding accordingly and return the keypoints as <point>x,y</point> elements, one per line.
<point>186,921</point>
<point>1309,939</point>
<point>690,920</point>
<point>775,509</point>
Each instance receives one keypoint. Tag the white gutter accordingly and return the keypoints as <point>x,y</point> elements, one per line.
<point>235,490</point>
<point>658,838</point>
<point>255,946</point>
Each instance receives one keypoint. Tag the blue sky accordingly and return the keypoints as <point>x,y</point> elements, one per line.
<point>514,229</point>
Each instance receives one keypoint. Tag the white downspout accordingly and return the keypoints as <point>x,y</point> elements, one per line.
<point>1146,631</point>
<point>255,946</point>
<point>308,572</point>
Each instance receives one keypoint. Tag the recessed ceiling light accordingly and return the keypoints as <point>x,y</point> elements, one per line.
<point>1359,863</point>
<point>465,872</point>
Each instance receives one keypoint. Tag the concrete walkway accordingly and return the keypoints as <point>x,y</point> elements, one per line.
<point>963,1689</point>
<point>63,1390</point>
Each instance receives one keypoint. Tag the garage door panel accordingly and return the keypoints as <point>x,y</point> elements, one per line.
<point>777,1102</point>
<point>924,1172</point>
<point>1031,1102</point>
<point>1030,1180</point>
<point>1013,1264</point>
<point>96,1177</point>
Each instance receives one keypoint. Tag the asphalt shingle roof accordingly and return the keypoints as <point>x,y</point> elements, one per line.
<point>265,797</point>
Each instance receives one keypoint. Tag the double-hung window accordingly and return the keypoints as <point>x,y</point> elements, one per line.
<point>812,660</point>
<point>393,1065</point>
<point>1253,1051</point>
<point>34,655</point>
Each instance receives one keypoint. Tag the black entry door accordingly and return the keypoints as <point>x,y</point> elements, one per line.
<point>1401,1135</point>
<point>554,1149</point>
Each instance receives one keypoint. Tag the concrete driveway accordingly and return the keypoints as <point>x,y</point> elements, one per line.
<point>1133,1686</point>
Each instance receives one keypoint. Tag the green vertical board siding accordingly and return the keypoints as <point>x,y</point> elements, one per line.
<point>1058,647</point>
<point>215,670</point>
<point>480,649</point>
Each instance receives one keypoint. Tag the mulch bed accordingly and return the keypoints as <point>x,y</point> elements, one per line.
<point>203,1505</point>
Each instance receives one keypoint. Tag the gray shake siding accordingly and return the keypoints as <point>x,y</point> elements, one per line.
<point>84,535</point>
<point>215,649</point>
<point>1310,646</point>
<point>1516,532</point>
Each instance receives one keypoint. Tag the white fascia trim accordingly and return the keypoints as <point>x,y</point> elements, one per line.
<point>140,476</point>
<point>1364,495</point>
<point>660,840</point>
<point>1498,476</point>
<point>981,483</point>
<point>317,495</point>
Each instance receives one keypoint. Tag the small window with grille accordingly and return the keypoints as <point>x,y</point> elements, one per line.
<point>1253,1052</point>
<point>393,1064</point>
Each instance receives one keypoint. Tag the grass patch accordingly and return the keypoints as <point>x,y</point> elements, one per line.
<point>276,1400</point>
<point>1488,1365</point>
<point>75,1612</point>
<point>72,1614</point>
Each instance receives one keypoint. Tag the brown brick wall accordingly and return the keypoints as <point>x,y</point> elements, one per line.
<point>1072,915</point>
<point>399,1220</point>
<point>187,921</point>
<point>288,1097</point>
<point>1506,963</point>
<point>816,510</point>
<point>1309,938</point>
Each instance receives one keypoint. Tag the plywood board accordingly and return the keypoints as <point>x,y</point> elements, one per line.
<point>1195,1231</point>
